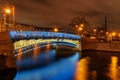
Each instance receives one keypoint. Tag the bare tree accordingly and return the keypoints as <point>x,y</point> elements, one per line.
<point>76,21</point>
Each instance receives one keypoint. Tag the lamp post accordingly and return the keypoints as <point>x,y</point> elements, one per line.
<point>13,15</point>
<point>79,28</point>
<point>80,31</point>
<point>81,25</point>
<point>55,29</point>
<point>7,12</point>
<point>94,30</point>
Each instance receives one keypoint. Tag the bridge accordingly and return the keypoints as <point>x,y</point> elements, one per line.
<point>16,43</point>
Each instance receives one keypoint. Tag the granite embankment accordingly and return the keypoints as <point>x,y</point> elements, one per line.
<point>93,44</point>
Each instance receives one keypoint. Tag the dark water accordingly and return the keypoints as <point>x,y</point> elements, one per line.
<point>98,65</point>
<point>48,65</point>
<point>68,65</point>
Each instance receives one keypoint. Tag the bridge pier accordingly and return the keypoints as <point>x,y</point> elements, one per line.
<point>7,59</point>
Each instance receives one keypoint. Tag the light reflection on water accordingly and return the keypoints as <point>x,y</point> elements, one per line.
<point>19,52</point>
<point>93,65</point>
<point>114,70</point>
<point>39,60</point>
<point>36,51</point>
<point>57,71</point>
<point>98,65</point>
<point>82,69</point>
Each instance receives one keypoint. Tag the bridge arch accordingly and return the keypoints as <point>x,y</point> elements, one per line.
<point>27,38</point>
<point>17,41</point>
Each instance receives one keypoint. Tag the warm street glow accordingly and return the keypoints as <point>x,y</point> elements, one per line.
<point>55,30</point>
<point>107,33</point>
<point>119,34</point>
<point>113,34</point>
<point>80,28</point>
<point>82,25</point>
<point>94,30</point>
<point>7,10</point>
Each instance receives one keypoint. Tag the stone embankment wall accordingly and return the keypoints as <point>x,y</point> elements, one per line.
<point>7,59</point>
<point>88,44</point>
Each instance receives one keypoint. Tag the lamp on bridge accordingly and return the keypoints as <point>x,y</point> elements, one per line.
<point>9,13</point>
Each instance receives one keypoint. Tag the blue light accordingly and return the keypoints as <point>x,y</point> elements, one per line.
<point>34,35</point>
<point>61,70</point>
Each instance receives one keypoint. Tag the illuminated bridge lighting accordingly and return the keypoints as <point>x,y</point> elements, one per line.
<point>35,35</point>
<point>26,40</point>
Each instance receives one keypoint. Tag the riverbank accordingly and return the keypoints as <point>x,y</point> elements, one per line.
<point>94,44</point>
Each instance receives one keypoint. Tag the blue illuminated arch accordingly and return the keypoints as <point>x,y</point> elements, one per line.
<point>38,34</point>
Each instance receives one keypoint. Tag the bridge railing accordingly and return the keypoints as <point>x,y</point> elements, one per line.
<point>38,34</point>
<point>22,43</point>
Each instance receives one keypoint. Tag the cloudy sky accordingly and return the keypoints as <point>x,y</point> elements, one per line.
<point>59,12</point>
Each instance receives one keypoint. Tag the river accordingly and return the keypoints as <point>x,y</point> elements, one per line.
<point>98,65</point>
<point>68,65</point>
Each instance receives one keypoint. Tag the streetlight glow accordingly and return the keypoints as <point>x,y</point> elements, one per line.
<point>119,34</point>
<point>113,33</point>
<point>81,25</point>
<point>55,30</point>
<point>94,30</point>
<point>80,29</point>
<point>107,33</point>
<point>7,10</point>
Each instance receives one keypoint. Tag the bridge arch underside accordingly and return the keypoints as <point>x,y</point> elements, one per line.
<point>25,46</point>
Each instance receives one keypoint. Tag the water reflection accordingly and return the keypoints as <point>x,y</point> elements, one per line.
<point>82,71</point>
<point>93,65</point>
<point>114,72</point>
<point>19,53</point>
<point>36,50</point>
<point>100,65</point>
<point>47,52</point>
<point>39,60</point>
<point>61,70</point>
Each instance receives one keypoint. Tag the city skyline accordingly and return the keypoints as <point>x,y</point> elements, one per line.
<point>44,12</point>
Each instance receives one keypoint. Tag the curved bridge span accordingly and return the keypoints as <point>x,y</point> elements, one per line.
<point>16,43</point>
<point>27,38</point>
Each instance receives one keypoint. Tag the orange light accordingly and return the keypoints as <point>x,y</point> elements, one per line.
<point>8,10</point>
<point>81,25</point>
<point>80,28</point>
<point>55,30</point>
<point>119,34</point>
<point>107,33</point>
<point>94,30</point>
<point>113,34</point>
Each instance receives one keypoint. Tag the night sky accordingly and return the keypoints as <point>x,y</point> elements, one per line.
<point>60,12</point>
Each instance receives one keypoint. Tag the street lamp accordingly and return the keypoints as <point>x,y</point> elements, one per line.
<point>81,25</point>
<point>7,12</point>
<point>113,34</point>
<point>94,30</point>
<point>55,29</point>
<point>80,28</point>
